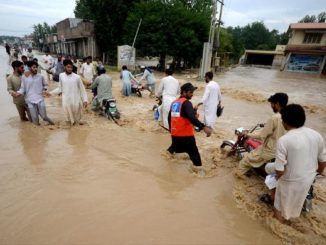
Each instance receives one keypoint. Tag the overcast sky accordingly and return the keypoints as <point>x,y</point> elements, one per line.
<point>276,14</point>
<point>17,17</point>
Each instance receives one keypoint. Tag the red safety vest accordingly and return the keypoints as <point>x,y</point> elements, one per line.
<point>180,126</point>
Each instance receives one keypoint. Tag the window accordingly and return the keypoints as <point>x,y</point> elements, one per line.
<point>312,38</point>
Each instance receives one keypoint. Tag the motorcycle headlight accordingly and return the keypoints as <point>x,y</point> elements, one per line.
<point>112,104</point>
<point>239,131</point>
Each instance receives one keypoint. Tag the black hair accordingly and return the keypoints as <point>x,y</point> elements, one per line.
<point>148,69</point>
<point>169,72</point>
<point>16,63</point>
<point>293,115</point>
<point>280,98</point>
<point>35,59</point>
<point>31,63</point>
<point>209,74</point>
<point>101,70</point>
<point>124,67</point>
<point>24,57</point>
<point>67,62</point>
<point>89,57</point>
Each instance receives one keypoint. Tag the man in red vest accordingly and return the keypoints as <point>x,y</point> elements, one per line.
<point>182,117</point>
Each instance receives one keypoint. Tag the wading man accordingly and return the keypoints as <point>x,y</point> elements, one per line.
<point>300,154</point>
<point>14,84</point>
<point>87,71</point>
<point>34,88</point>
<point>182,117</point>
<point>211,99</point>
<point>169,89</point>
<point>74,96</point>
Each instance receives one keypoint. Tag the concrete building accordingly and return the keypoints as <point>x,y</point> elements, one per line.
<point>76,37</point>
<point>264,57</point>
<point>306,49</point>
<point>28,40</point>
<point>51,43</point>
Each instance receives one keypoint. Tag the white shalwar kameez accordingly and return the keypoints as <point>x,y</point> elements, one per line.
<point>87,70</point>
<point>297,154</point>
<point>211,98</point>
<point>47,61</point>
<point>73,96</point>
<point>169,89</point>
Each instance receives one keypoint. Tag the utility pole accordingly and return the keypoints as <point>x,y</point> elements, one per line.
<point>206,62</point>
<point>219,21</point>
<point>213,24</point>
<point>216,45</point>
<point>133,43</point>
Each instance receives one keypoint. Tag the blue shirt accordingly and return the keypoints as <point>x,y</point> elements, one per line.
<point>33,87</point>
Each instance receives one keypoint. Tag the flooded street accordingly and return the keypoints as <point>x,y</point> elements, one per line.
<point>101,183</point>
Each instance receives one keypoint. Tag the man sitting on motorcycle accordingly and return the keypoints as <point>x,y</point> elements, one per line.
<point>103,83</point>
<point>271,132</point>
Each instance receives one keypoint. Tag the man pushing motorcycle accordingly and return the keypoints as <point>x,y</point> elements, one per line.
<point>271,132</point>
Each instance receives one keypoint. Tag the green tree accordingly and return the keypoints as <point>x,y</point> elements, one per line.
<point>175,28</point>
<point>252,36</point>
<point>308,19</point>
<point>39,33</point>
<point>257,36</point>
<point>320,18</point>
<point>225,40</point>
<point>109,17</point>
<point>237,43</point>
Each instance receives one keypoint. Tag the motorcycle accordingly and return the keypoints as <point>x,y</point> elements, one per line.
<point>110,110</point>
<point>136,88</point>
<point>245,144</point>
<point>242,144</point>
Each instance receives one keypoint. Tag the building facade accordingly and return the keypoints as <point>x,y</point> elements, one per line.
<point>264,57</point>
<point>76,37</point>
<point>306,48</point>
<point>28,41</point>
<point>51,43</point>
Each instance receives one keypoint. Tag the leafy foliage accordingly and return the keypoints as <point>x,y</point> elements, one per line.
<point>39,33</point>
<point>252,36</point>
<point>320,18</point>
<point>169,27</point>
<point>109,17</point>
<point>174,28</point>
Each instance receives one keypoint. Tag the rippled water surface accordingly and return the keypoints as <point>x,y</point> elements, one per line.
<point>107,184</point>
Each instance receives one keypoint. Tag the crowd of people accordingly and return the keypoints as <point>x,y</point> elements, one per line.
<point>299,152</point>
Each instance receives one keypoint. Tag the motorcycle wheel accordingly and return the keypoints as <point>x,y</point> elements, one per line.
<point>117,115</point>
<point>228,144</point>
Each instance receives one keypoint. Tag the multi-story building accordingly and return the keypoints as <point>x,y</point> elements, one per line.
<point>306,49</point>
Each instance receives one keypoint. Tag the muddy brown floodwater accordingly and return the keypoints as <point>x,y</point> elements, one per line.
<point>101,183</point>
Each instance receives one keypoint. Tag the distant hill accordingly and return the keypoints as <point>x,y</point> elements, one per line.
<point>10,39</point>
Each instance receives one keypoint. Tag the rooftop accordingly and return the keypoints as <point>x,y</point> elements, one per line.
<point>271,52</point>
<point>305,26</point>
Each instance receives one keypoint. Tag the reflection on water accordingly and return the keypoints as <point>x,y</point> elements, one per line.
<point>34,143</point>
